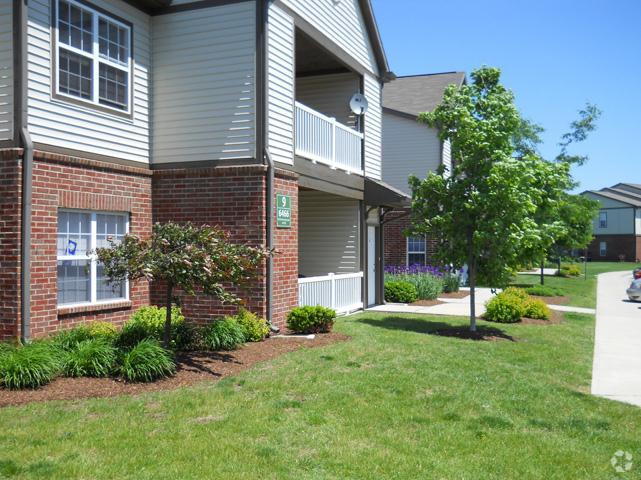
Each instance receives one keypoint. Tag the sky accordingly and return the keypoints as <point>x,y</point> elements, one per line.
<point>554,55</point>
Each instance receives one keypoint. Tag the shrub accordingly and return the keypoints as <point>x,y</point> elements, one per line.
<point>544,291</point>
<point>104,330</point>
<point>67,340</point>
<point>225,334</point>
<point>570,270</point>
<point>428,286</point>
<point>400,292</point>
<point>186,338</point>
<point>30,366</point>
<point>311,319</point>
<point>451,283</point>
<point>147,361</point>
<point>519,293</point>
<point>149,322</point>
<point>505,308</point>
<point>537,309</point>
<point>90,358</point>
<point>254,328</point>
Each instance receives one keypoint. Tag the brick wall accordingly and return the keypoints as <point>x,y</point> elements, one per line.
<point>285,276</point>
<point>10,208</point>
<point>627,245</point>
<point>65,182</point>
<point>397,222</point>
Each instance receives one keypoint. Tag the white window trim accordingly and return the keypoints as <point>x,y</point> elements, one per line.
<point>93,260</point>
<point>603,249</point>
<point>603,224</point>
<point>414,252</point>
<point>96,59</point>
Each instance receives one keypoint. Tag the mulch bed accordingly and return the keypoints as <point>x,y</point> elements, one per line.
<point>192,368</point>
<point>555,319</point>
<point>459,294</point>
<point>427,303</point>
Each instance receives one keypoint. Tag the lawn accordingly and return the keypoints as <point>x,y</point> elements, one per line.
<point>396,401</point>
<point>581,290</point>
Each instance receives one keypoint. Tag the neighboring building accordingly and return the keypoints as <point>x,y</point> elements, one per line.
<point>617,228</point>
<point>411,148</point>
<point>117,114</point>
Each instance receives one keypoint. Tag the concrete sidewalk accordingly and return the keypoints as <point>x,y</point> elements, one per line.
<point>616,370</point>
<point>551,272</point>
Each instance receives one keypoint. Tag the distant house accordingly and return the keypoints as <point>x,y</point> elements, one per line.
<point>617,228</point>
<point>411,148</point>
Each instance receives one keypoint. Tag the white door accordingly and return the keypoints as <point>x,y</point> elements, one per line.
<point>371,266</point>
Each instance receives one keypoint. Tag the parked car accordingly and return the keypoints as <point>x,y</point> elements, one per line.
<point>636,273</point>
<point>634,292</point>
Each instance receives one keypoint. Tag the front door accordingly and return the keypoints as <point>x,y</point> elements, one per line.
<point>371,266</point>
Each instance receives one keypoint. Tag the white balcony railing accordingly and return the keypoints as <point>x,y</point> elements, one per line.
<point>322,139</point>
<point>342,293</point>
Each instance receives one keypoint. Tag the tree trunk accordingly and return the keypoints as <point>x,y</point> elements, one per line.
<point>542,273</point>
<point>166,339</point>
<point>472,273</point>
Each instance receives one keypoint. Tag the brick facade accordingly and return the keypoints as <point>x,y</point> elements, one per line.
<point>396,223</point>
<point>627,246</point>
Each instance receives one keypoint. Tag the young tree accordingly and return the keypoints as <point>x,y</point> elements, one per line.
<point>483,212</point>
<point>186,257</point>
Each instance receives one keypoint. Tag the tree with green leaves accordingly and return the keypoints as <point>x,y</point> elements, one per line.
<point>186,257</point>
<point>483,212</point>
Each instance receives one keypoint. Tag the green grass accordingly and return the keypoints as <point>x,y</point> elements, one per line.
<point>396,402</point>
<point>580,290</point>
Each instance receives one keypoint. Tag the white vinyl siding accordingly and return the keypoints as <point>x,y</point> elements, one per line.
<point>446,157</point>
<point>281,91</point>
<point>328,234</point>
<point>342,22</point>
<point>329,95</point>
<point>408,148</point>
<point>204,90</point>
<point>6,70</point>
<point>65,125</point>
<point>373,129</point>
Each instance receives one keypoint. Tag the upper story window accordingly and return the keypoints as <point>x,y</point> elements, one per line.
<point>603,219</point>
<point>93,57</point>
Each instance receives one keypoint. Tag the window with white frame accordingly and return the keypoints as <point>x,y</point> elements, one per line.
<point>93,56</point>
<point>603,249</point>
<point>603,219</point>
<point>81,278</point>
<point>416,251</point>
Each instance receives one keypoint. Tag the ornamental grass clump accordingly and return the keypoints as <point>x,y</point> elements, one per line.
<point>309,319</point>
<point>90,358</point>
<point>225,334</point>
<point>149,322</point>
<point>147,361</point>
<point>30,366</point>
<point>451,283</point>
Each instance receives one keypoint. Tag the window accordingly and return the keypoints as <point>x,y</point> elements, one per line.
<point>81,278</point>
<point>415,251</point>
<point>93,56</point>
<point>603,249</point>
<point>603,219</point>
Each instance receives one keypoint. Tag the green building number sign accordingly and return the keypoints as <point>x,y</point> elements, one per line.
<point>283,211</point>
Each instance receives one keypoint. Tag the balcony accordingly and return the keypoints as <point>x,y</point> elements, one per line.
<point>322,139</point>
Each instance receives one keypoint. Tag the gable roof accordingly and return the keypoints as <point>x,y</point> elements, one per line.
<point>620,195</point>
<point>415,94</point>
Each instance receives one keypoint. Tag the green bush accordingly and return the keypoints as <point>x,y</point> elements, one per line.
<point>67,340</point>
<point>570,270</point>
<point>505,308</point>
<point>400,292</point>
<point>544,291</point>
<point>147,361</point>
<point>149,322</point>
<point>428,286</point>
<point>104,330</point>
<point>254,328</point>
<point>519,293</point>
<point>311,319</point>
<point>225,334</point>
<point>6,348</point>
<point>30,366</point>
<point>537,309</point>
<point>451,283</point>
<point>186,338</point>
<point>90,358</point>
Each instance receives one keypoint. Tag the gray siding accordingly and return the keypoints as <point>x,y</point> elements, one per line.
<point>329,95</point>
<point>408,148</point>
<point>621,217</point>
<point>342,22</point>
<point>373,128</point>
<point>6,70</point>
<point>204,73</point>
<point>328,234</point>
<point>281,74</point>
<point>61,124</point>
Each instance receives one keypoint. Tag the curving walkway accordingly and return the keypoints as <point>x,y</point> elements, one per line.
<point>616,370</point>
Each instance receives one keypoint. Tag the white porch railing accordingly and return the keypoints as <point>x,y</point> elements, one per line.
<point>322,139</point>
<point>342,293</point>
